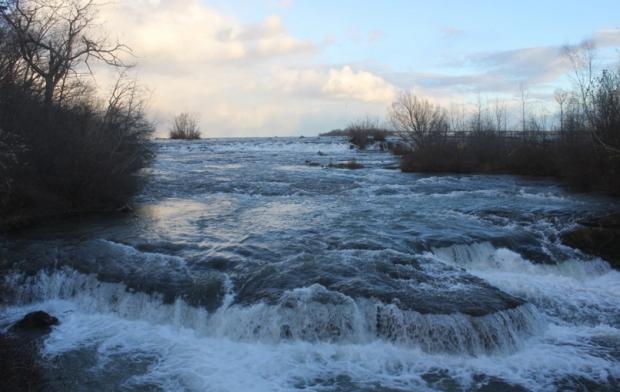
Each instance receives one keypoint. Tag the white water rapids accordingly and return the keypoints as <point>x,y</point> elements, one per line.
<point>245,268</point>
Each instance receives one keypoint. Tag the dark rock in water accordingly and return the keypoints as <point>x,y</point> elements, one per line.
<point>611,221</point>
<point>38,321</point>
<point>125,209</point>
<point>352,165</point>
<point>151,273</point>
<point>598,237</point>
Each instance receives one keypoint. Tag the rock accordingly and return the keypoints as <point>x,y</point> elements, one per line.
<point>611,221</point>
<point>125,209</point>
<point>38,321</point>
<point>19,366</point>
<point>351,165</point>
<point>598,237</point>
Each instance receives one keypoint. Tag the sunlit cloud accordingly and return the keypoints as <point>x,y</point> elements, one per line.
<point>360,85</point>
<point>245,79</point>
<point>257,77</point>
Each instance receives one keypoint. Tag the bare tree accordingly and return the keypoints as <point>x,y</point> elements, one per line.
<point>55,39</point>
<point>606,111</point>
<point>560,97</point>
<point>592,91</point>
<point>477,118</point>
<point>524,94</point>
<point>581,58</point>
<point>456,117</point>
<point>417,120</point>
<point>501,115</point>
<point>185,126</point>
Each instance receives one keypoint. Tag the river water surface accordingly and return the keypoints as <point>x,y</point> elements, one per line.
<point>248,265</point>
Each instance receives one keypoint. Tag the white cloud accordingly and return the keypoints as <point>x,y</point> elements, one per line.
<point>176,34</point>
<point>245,79</point>
<point>607,38</point>
<point>336,83</point>
<point>360,85</point>
<point>249,79</point>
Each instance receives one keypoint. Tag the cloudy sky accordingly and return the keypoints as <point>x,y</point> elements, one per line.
<point>292,67</point>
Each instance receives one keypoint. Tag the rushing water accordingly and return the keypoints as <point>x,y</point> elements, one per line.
<point>249,265</point>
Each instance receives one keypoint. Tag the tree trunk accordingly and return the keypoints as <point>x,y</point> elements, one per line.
<point>49,91</point>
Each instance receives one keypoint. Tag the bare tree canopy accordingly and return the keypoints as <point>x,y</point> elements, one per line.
<point>417,120</point>
<point>598,96</point>
<point>561,96</point>
<point>185,126</point>
<point>56,41</point>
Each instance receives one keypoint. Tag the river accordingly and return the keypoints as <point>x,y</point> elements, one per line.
<point>249,265</point>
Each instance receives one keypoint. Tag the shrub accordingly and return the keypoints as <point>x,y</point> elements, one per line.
<point>585,154</point>
<point>62,149</point>
<point>185,126</point>
<point>365,132</point>
<point>398,148</point>
<point>335,132</point>
<point>73,158</point>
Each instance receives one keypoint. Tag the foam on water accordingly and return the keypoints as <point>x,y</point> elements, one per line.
<point>572,290</point>
<point>325,145</point>
<point>305,314</point>
<point>188,361</point>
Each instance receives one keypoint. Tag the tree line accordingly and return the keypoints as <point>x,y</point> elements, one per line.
<point>583,150</point>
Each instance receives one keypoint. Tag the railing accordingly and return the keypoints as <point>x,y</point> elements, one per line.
<point>540,136</point>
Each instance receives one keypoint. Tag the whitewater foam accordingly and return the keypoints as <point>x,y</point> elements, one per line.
<point>572,290</point>
<point>305,314</point>
<point>188,361</point>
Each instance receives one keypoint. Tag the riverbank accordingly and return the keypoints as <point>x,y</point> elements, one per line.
<point>572,158</point>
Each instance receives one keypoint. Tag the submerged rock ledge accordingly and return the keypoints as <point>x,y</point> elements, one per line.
<point>598,237</point>
<point>307,314</point>
<point>422,285</point>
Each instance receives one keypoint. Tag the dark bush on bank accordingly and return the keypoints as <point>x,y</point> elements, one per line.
<point>63,149</point>
<point>185,127</point>
<point>69,158</point>
<point>365,132</point>
<point>572,157</point>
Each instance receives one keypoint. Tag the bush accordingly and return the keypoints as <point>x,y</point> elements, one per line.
<point>73,158</point>
<point>62,150</point>
<point>335,132</point>
<point>585,153</point>
<point>365,132</point>
<point>185,127</point>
